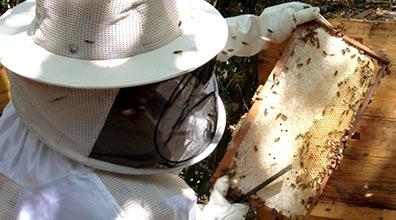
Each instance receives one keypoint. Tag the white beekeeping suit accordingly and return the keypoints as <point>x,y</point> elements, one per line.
<point>111,98</point>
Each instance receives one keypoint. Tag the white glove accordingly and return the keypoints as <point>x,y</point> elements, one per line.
<point>219,208</point>
<point>249,34</point>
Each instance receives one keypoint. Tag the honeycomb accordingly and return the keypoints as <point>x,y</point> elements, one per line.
<point>309,106</point>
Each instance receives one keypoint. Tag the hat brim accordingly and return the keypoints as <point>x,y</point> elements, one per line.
<point>204,35</point>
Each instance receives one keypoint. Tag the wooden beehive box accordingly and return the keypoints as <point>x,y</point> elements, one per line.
<point>318,107</point>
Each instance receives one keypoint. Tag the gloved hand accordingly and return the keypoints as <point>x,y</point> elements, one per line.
<point>249,34</point>
<point>219,208</point>
<point>278,22</point>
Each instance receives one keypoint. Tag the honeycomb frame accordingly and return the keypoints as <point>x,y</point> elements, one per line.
<point>347,103</point>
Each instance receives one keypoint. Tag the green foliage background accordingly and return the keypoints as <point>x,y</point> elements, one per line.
<point>7,4</point>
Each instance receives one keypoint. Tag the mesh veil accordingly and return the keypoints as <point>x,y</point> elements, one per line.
<point>162,124</point>
<point>65,118</point>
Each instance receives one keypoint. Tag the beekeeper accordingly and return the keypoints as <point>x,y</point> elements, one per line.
<point>111,99</point>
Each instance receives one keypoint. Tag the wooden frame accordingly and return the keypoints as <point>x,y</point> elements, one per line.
<point>274,50</point>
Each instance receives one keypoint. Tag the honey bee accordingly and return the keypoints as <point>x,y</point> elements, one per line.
<point>294,18</point>
<point>299,136</point>
<point>265,112</point>
<point>283,117</point>
<point>179,51</point>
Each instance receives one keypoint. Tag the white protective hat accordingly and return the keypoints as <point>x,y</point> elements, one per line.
<point>109,44</point>
<point>69,61</point>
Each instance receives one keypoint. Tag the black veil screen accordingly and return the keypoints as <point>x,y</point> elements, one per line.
<point>162,124</point>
